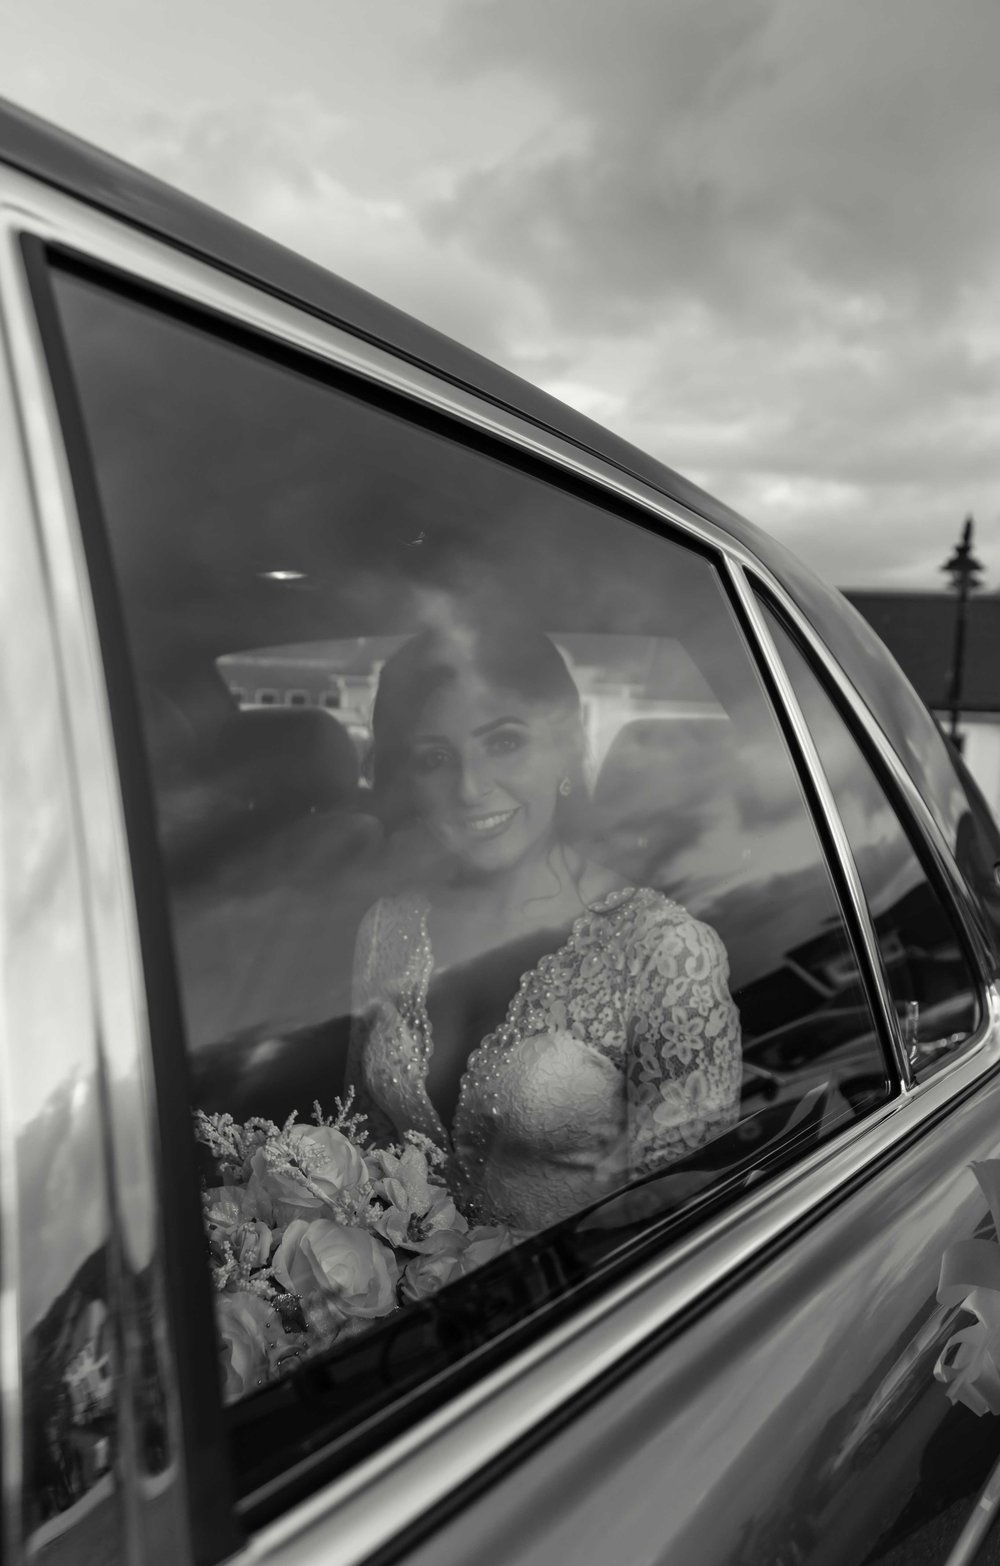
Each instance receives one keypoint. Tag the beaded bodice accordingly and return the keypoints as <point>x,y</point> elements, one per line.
<point>619,1052</point>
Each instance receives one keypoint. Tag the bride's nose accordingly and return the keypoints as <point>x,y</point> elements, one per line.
<point>475,782</point>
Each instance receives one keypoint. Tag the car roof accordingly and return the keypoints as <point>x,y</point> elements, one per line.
<point>73,166</point>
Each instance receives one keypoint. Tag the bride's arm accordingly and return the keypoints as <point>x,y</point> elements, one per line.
<point>683,1059</point>
<point>365,998</point>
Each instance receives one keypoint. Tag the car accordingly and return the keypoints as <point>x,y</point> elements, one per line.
<point>235,489</point>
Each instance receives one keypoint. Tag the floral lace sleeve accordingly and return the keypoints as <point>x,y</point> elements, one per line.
<point>683,1061</point>
<point>366,995</point>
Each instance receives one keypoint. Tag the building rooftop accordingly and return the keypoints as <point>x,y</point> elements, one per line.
<point>919,631</point>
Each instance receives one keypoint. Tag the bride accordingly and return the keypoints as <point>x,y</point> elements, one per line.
<point>556,1031</point>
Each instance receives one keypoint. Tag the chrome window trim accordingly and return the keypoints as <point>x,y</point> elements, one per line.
<point>831,816</point>
<point>364,1509</point>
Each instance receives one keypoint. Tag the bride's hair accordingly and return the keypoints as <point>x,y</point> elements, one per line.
<point>510,657</point>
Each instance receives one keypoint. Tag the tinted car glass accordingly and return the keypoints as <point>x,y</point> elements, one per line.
<point>944,783</point>
<point>931,982</point>
<point>379,668</point>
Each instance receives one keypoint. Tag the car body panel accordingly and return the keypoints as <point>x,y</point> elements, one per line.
<point>687,1461</point>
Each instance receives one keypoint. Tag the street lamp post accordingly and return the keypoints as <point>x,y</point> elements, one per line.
<point>966,574</point>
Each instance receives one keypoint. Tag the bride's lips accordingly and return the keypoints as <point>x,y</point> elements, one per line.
<point>490,825</point>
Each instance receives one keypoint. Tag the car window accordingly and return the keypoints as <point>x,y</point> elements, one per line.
<point>477,830</point>
<point>931,982</point>
<point>932,761</point>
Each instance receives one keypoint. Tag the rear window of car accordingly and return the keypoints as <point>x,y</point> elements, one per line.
<point>504,940</point>
<point>930,978</point>
<point>934,764</point>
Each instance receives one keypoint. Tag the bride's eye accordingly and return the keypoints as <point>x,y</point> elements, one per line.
<point>502,741</point>
<point>431,760</point>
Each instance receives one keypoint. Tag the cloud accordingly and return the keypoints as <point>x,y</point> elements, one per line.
<point>863,452</point>
<point>282,165</point>
<point>64,1213</point>
<point>739,153</point>
<point>766,236</point>
<point>757,237</point>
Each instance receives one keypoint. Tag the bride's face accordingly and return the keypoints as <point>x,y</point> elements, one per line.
<point>485,770</point>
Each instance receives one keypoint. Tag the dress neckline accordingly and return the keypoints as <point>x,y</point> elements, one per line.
<point>609,903</point>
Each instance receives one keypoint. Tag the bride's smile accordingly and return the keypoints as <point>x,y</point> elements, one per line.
<point>486,768</point>
<point>479,826</point>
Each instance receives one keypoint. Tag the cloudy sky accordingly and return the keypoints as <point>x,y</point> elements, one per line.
<point>760,238</point>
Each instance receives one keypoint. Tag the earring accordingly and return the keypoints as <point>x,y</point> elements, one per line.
<point>565,787</point>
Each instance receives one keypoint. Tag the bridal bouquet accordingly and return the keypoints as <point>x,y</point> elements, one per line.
<point>314,1235</point>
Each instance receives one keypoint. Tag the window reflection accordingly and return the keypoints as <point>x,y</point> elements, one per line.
<point>556,1028</point>
<point>70,1409</point>
<point>931,984</point>
<point>481,813</point>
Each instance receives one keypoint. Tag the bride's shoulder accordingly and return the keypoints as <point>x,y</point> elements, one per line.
<point>630,915</point>
<point>642,911</point>
<point>389,945</point>
<point>604,890</point>
<point>396,913</point>
<point>663,930</point>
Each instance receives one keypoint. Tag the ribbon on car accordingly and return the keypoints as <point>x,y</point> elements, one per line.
<point>969,1363</point>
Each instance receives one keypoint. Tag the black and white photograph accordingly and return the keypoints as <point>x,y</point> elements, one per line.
<point>500,783</point>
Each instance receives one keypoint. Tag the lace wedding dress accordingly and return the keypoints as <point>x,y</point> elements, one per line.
<point>619,1053</point>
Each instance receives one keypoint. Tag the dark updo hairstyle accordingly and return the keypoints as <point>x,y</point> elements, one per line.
<point>513,658</point>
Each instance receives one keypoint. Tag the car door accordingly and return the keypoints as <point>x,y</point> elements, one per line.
<point>731,1366</point>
